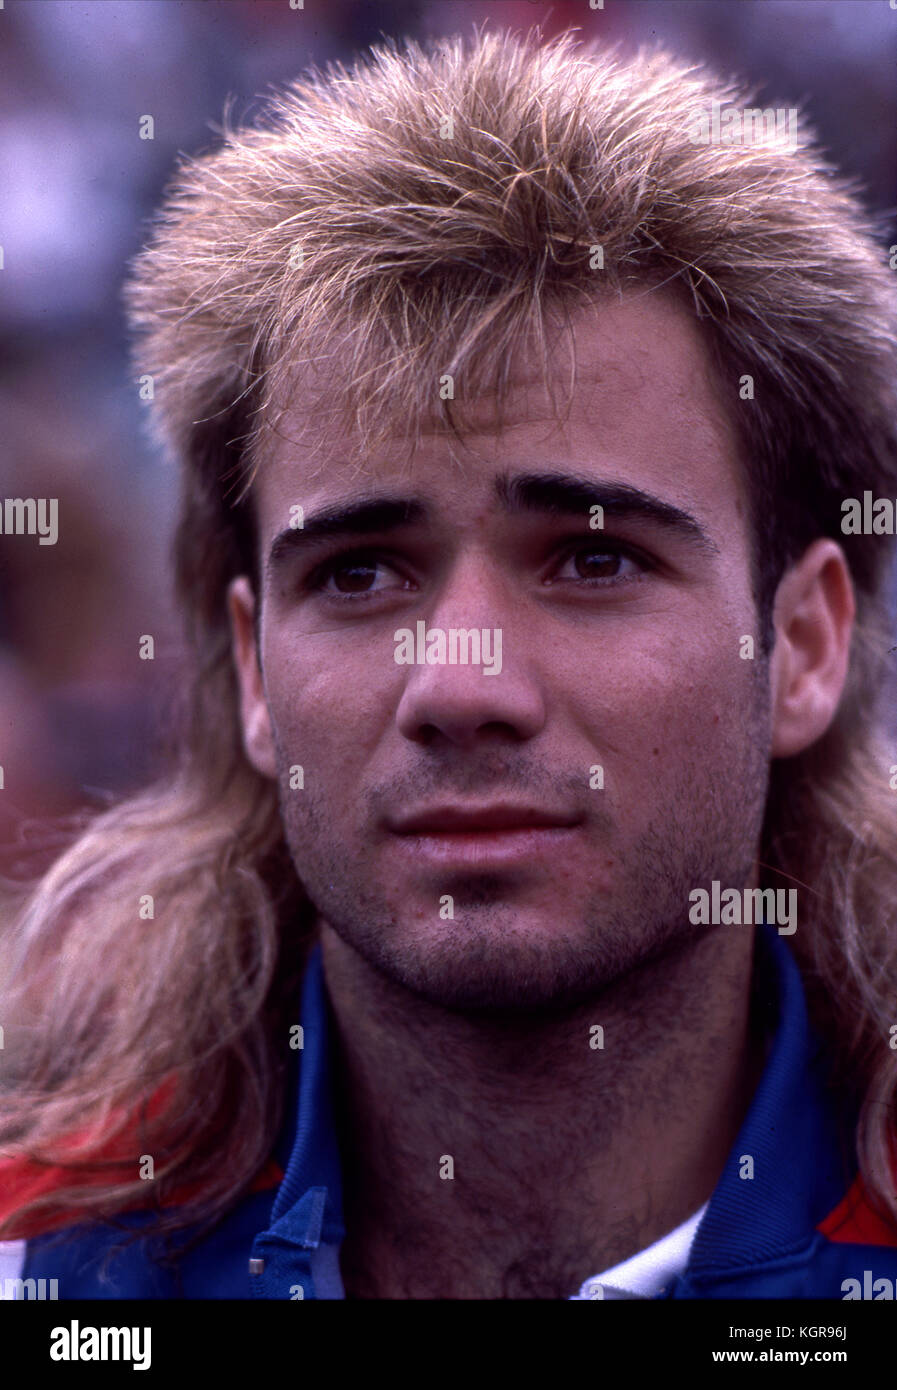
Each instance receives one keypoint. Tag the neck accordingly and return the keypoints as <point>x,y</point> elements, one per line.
<point>514,1158</point>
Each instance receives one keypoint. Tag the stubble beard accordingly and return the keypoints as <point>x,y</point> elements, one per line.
<point>708,828</point>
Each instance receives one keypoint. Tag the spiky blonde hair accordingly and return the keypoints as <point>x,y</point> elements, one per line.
<point>423,212</point>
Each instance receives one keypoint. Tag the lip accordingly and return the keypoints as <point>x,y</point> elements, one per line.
<point>500,817</point>
<point>500,836</point>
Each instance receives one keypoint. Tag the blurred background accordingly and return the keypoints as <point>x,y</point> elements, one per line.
<point>79,711</point>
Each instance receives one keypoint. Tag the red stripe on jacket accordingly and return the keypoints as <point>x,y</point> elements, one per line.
<point>22,1180</point>
<point>855,1221</point>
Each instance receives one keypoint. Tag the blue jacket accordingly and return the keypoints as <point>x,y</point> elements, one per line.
<point>800,1227</point>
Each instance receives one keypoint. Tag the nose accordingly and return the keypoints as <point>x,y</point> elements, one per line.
<point>458,702</point>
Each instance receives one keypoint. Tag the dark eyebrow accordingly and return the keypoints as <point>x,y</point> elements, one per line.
<point>559,494</point>
<point>361,517</point>
<point>567,494</point>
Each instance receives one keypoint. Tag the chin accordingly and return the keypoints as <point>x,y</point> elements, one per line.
<point>500,969</point>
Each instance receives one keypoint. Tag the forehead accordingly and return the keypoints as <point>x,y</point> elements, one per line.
<point>640,403</point>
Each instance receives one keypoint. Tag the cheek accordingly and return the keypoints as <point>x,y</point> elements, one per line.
<point>667,706</point>
<point>331,710</point>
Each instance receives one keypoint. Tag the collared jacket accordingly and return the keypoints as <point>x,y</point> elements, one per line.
<point>789,1218</point>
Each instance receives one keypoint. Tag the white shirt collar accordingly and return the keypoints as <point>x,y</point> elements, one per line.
<point>647,1273</point>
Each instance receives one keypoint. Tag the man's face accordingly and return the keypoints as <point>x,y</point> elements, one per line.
<point>453,826</point>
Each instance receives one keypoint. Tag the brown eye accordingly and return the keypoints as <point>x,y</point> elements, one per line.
<point>597,564</point>
<point>601,565</point>
<point>355,575</point>
<point>354,579</point>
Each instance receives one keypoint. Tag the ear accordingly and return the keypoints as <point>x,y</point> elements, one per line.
<point>258,739</point>
<point>813,615</point>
